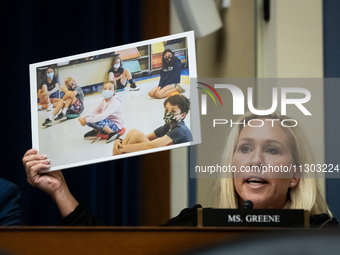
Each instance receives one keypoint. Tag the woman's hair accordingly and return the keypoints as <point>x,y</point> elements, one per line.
<point>114,59</point>
<point>306,195</point>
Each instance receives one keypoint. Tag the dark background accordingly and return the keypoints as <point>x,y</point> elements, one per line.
<point>34,31</point>
<point>331,40</point>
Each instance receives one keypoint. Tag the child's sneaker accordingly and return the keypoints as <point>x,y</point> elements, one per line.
<point>47,123</point>
<point>40,107</point>
<point>90,135</point>
<point>134,89</point>
<point>112,136</point>
<point>133,86</point>
<point>61,116</point>
<point>180,89</point>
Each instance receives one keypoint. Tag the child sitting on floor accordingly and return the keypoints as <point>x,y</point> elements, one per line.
<point>107,118</point>
<point>120,75</point>
<point>170,77</point>
<point>48,94</point>
<point>71,103</point>
<point>174,131</point>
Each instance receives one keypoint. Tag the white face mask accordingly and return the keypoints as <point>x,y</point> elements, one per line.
<point>107,93</point>
<point>50,75</point>
<point>116,66</point>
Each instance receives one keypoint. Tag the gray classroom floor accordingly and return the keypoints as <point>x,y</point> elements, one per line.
<point>64,144</point>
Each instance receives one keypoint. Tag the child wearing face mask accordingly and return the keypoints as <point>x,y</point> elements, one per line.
<point>48,93</point>
<point>71,103</point>
<point>174,131</point>
<point>107,118</point>
<point>170,77</point>
<point>120,75</point>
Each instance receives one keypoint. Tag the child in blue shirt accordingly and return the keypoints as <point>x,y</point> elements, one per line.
<point>174,131</point>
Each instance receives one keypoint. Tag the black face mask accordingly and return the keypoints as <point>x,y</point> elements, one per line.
<point>71,88</point>
<point>170,117</point>
<point>169,59</point>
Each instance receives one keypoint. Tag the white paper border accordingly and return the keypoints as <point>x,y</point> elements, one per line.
<point>192,74</point>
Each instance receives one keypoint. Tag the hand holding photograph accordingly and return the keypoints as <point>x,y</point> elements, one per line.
<point>115,103</point>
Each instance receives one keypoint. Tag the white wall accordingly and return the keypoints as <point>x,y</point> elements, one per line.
<point>86,73</point>
<point>291,47</point>
<point>229,52</point>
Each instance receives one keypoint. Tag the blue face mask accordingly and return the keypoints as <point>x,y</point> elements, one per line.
<point>107,93</point>
<point>50,75</point>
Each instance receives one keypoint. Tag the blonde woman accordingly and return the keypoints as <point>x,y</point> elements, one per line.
<point>271,144</point>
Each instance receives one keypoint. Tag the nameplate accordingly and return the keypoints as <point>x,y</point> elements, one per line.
<point>282,218</point>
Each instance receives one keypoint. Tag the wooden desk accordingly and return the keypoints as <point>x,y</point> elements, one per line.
<point>120,240</point>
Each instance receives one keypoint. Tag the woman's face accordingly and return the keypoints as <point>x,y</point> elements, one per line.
<point>263,146</point>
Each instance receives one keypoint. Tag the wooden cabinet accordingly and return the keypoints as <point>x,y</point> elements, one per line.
<point>131,240</point>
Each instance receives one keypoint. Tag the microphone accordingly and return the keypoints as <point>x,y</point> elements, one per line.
<point>248,204</point>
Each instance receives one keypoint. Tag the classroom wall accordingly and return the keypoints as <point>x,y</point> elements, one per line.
<point>290,45</point>
<point>230,52</point>
<point>87,73</point>
<point>292,40</point>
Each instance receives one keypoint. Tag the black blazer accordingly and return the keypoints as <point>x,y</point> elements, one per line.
<point>10,210</point>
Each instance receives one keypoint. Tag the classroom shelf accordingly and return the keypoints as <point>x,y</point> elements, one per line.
<point>139,62</point>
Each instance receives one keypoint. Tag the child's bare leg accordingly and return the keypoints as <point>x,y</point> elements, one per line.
<point>69,98</point>
<point>152,92</point>
<point>55,101</point>
<point>43,95</point>
<point>68,102</point>
<point>135,136</point>
<point>107,129</point>
<point>126,76</point>
<point>59,106</point>
<point>129,135</point>
<point>69,94</point>
<point>164,92</point>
